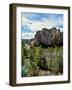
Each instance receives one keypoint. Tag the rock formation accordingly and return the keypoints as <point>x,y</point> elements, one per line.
<point>48,37</point>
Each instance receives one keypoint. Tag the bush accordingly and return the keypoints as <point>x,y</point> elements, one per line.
<point>37,58</point>
<point>57,62</point>
<point>24,71</point>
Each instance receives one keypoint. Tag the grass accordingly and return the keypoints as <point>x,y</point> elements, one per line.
<point>37,59</point>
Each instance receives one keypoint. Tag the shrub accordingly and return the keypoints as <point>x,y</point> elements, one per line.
<point>24,71</point>
<point>37,58</point>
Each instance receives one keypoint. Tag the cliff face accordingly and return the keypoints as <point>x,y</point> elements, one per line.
<point>49,37</point>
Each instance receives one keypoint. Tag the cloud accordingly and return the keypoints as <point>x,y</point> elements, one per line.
<point>28,35</point>
<point>32,23</point>
<point>25,22</point>
<point>37,26</point>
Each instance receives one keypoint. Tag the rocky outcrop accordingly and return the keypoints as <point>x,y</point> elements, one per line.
<point>49,37</point>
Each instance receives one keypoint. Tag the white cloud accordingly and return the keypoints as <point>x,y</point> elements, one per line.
<point>28,35</point>
<point>60,21</point>
<point>61,29</point>
<point>25,21</point>
<point>35,26</point>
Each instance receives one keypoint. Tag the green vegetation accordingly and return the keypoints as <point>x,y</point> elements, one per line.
<point>36,60</point>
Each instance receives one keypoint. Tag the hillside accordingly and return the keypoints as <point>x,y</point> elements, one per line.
<point>43,55</point>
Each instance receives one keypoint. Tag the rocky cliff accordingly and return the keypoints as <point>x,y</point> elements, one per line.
<point>48,37</point>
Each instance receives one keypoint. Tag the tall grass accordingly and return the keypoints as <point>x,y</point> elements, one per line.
<point>37,58</point>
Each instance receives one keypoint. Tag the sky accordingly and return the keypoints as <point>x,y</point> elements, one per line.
<point>33,22</point>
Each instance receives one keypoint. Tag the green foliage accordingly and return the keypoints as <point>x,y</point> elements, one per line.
<point>36,59</point>
<point>49,63</point>
<point>57,62</point>
<point>24,71</point>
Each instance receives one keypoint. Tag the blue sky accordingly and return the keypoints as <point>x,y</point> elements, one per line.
<point>33,22</point>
